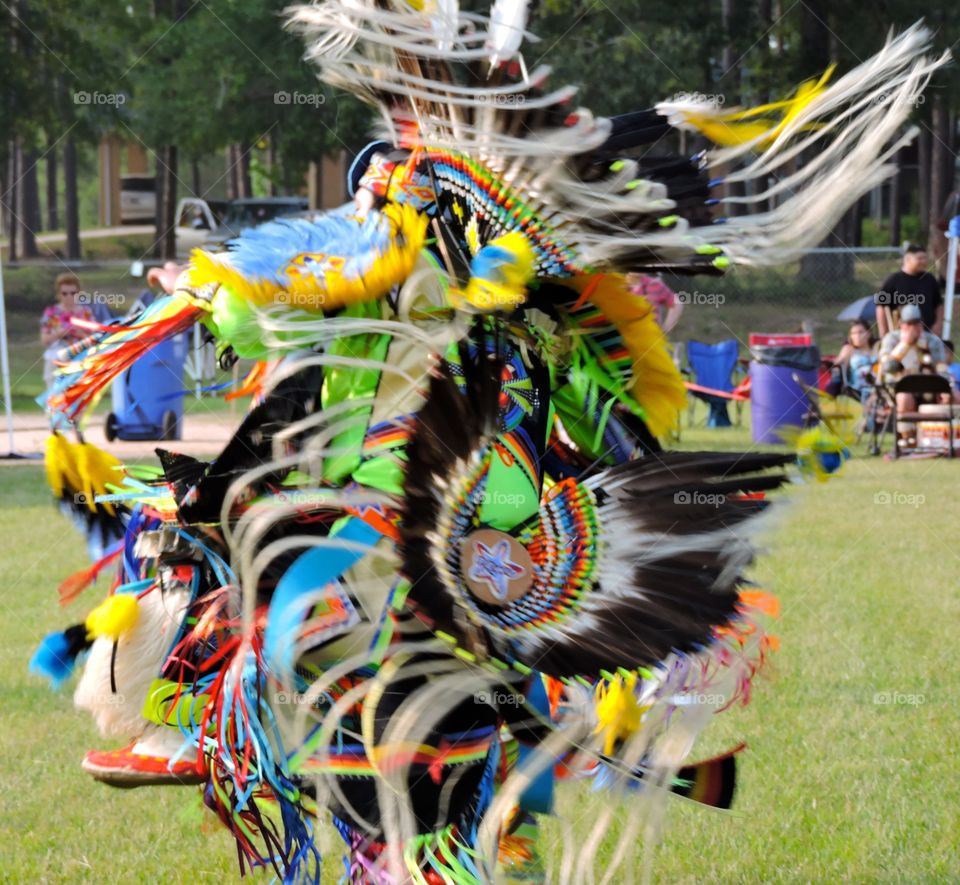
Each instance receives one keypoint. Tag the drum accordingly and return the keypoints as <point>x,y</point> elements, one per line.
<point>934,435</point>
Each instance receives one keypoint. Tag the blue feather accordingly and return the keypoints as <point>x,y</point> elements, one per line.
<point>55,658</point>
<point>265,252</point>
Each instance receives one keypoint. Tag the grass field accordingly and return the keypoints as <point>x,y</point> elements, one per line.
<point>850,773</point>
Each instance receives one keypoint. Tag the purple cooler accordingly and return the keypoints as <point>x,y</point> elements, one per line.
<point>777,398</point>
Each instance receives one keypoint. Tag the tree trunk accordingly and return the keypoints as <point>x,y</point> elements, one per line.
<point>167,234</point>
<point>895,216</point>
<point>730,84</point>
<point>195,175</point>
<point>159,187</point>
<point>70,207</point>
<point>28,206</point>
<point>939,182</point>
<point>923,187</point>
<point>10,207</point>
<point>272,165</point>
<point>244,187</point>
<point>231,175</point>
<point>53,215</point>
<point>815,37</point>
<point>31,191</point>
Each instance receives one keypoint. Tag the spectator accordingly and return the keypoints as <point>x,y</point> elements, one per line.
<point>911,285</point>
<point>854,363</point>
<point>57,329</point>
<point>910,351</point>
<point>660,295</point>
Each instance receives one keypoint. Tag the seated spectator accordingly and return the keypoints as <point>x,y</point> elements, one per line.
<point>853,364</point>
<point>910,351</point>
<point>56,325</point>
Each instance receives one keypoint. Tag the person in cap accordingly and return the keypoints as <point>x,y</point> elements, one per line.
<point>910,350</point>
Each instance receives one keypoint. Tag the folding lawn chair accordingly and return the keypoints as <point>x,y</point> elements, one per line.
<point>712,367</point>
<point>918,386</point>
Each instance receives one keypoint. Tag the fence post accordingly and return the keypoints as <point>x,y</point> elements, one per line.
<point>953,231</point>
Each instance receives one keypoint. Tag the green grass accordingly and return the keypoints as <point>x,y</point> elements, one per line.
<point>835,786</point>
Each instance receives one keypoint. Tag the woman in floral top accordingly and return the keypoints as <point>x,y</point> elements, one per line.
<point>56,326</point>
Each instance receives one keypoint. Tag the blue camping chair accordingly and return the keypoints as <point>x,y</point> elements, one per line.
<point>713,365</point>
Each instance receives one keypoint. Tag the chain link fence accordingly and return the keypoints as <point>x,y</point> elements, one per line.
<point>806,295</point>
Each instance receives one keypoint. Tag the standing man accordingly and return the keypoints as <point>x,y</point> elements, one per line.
<point>912,284</point>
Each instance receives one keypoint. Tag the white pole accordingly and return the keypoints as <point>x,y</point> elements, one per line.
<point>197,360</point>
<point>5,361</point>
<point>953,232</point>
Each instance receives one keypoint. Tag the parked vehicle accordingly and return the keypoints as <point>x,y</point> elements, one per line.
<point>138,199</point>
<point>196,219</point>
<point>252,211</point>
<point>213,222</point>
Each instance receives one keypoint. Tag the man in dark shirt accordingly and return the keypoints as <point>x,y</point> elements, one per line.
<point>910,285</point>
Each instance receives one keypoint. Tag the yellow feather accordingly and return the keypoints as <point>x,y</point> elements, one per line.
<point>618,713</point>
<point>113,617</point>
<point>332,290</point>
<point>506,285</point>
<point>730,128</point>
<point>657,384</point>
<point>97,469</point>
